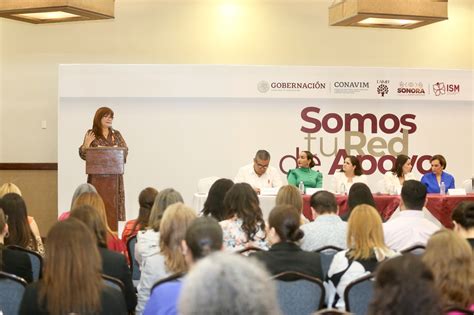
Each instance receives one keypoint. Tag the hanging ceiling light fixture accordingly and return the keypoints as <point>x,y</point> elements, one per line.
<point>54,11</point>
<point>400,14</point>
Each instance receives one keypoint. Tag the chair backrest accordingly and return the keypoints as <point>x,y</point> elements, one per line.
<point>327,254</point>
<point>113,283</point>
<point>248,250</point>
<point>11,293</point>
<point>173,277</point>
<point>358,294</point>
<point>204,184</point>
<point>302,296</point>
<point>415,249</point>
<point>134,267</point>
<point>35,259</point>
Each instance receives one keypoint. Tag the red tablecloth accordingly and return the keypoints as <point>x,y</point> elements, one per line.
<point>441,206</point>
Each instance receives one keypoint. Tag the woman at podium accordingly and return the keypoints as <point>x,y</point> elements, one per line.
<point>103,135</point>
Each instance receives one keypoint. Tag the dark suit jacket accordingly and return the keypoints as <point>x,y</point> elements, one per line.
<point>115,265</point>
<point>17,263</point>
<point>287,256</point>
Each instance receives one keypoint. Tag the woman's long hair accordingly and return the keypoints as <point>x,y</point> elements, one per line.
<point>451,259</point>
<point>72,281</point>
<point>145,200</point>
<point>289,195</point>
<point>3,223</point>
<point>242,201</point>
<point>174,223</point>
<point>91,218</point>
<point>165,198</point>
<point>9,188</point>
<point>97,123</point>
<point>82,188</point>
<point>364,232</point>
<point>214,205</point>
<point>19,229</point>
<point>95,201</point>
<point>397,168</point>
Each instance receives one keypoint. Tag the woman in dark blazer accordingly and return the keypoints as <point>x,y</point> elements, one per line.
<point>285,254</point>
<point>113,264</point>
<point>13,261</point>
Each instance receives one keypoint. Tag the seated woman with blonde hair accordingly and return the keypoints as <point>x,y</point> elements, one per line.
<point>95,201</point>
<point>170,259</point>
<point>290,195</point>
<point>366,248</point>
<point>8,188</point>
<point>451,260</point>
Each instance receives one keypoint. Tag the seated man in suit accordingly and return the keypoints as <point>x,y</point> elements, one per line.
<point>259,174</point>
<point>410,227</point>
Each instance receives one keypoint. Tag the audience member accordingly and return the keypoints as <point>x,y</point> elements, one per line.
<point>203,237</point>
<point>214,205</point>
<point>245,225</point>
<point>304,172</point>
<point>350,173</point>
<point>148,240</point>
<point>284,254</point>
<point>20,231</point>
<point>229,284</point>
<point>8,188</point>
<point>290,195</point>
<point>95,201</point>
<point>113,263</point>
<point>437,176</point>
<point>400,172</point>
<point>82,188</point>
<point>259,174</point>
<point>410,227</point>
<point>404,285</point>
<point>359,194</point>
<point>463,218</point>
<point>366,248</point>
<point>451,260</point>
<point>13,261</point>
<point>145,200</point>
<point>327,227</point>
<point>170,260</point>
<point>72,281</point>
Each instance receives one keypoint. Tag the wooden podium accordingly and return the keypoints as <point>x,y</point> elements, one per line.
<point>105,165</point>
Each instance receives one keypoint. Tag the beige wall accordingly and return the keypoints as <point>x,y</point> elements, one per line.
<point>154,31</point>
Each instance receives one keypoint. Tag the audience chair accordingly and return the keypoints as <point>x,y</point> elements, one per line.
<point>327,254</point>
<point>249,250</point>
<point>11,293</point>
<point>204,184</point>
<point>134,268</point>
<point>358,294</point>
<point>171,278</point>
<point>113,283</point>
<point>458,310</point>
<point>415,249</point>
<point>35,258</point>
<point>302,296</point>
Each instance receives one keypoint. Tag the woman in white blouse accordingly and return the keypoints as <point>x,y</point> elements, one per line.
<point>401,171</point>
<point>351,173</point>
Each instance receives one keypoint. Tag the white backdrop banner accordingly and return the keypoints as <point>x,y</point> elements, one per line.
<point>186,122</point>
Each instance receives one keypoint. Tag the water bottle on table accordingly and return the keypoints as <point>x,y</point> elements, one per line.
<point>301,187</point>
<point>442,188</point>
